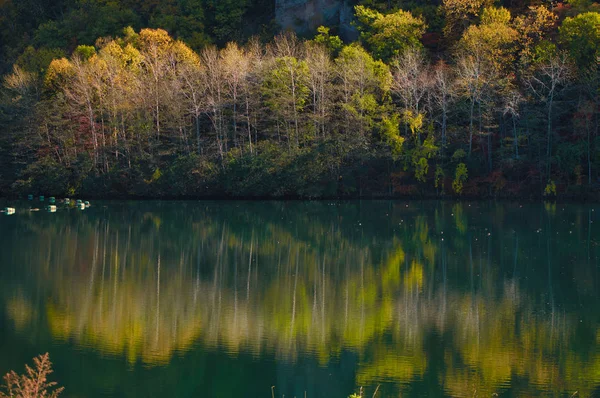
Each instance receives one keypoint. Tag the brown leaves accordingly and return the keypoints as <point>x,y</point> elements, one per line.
<point>34,383</point>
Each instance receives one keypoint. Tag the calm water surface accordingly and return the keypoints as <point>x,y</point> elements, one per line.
<point>226,299</point>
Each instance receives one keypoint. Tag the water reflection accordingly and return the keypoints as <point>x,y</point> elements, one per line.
<point>429,298</point>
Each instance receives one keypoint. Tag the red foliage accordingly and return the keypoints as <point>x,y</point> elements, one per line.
<point>431,39</point>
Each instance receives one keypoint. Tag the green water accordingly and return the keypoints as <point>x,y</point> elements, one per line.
<point>226,299</point>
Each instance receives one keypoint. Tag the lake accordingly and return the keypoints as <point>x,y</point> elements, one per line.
<point>318,299</point>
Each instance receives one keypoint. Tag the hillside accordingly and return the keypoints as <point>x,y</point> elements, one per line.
<point>181,98</point>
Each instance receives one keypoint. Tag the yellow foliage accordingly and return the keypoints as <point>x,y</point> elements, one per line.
<point>550,189</point>
<point>58,73</point>
<point>183,54</point>
<point>492,43</point>
<point>493,15</point>
<point>388,365</point>
<point>155,38</point>
<point>415,122</point>
<point>415,276</point>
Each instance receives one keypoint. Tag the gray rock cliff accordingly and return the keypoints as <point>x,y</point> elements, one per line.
<point>305,16</point>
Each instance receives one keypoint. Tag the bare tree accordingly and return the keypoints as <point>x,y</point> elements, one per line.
<point>411,81</point>
<point>82,96</point>
<point>472,81</point>
<point>545,82</point>
<point>236,67</point>
<point>192,76</point>
<point>512,103</point>
<point>155,44</point>
<point>443,92</point>
<point>251,88</point>
<point>320,78</point>
<point>214,91</point>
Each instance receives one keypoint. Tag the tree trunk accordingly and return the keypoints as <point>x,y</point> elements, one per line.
<point>471,112</point>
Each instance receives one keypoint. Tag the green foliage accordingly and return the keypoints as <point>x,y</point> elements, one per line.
<point>286,93</point>
<point>459,14</point>
<point>390,131</point>
<point>44,177</point>
<point>366,85</point>
<point>581,5</point>
<point>414,122</point>
<point>460,177</point>
<point>63,25</point>
<point>543,52</point>
<point>389,35</point>
<point>492,41</point>
<point>458,155</point>
<point>550,189</point>
<point>133,114</point>
<point>333,43</point>
<point>84,26</point>
<point>288,78</point>
<point>155,176</point>
<point>493,15</point>
<point>581,36</point>
<point>228,17</point>
<point>431,14</point>
<point>37,61</point>
<point>84,52</point>
<point>421,169</point>
<point>429,148</point>
<point>439,177</point>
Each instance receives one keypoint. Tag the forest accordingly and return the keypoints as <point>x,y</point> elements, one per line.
<point>182,98</point>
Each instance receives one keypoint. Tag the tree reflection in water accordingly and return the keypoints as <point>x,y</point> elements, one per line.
<point>443,297</point>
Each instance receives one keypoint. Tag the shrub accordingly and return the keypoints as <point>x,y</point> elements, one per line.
<point>460,178</point>
<point>34,383</point>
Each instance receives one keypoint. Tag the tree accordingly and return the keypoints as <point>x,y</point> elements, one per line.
<point>485,54</point>
<point>460,14</point>
<point>492,41</point>
<point>410,78</point>
<point>390,34</point>
<point>472,82</point>
<point>82,96</point>
<point>411,82</point>
<point>581,37</point>
<point>364,86</point>
<point>252,89</point>
<point>546,81</point>
<point>214,92</point>
<point>333,43</point>
<point>320,81</point>
<point>236,67</point>
<point>228,16</point>
<point>443,95</point>
<point>460,177</point>
<point>533,27</point>
<point>154,47</point>
<point>286,92</point>
<point>122,84</point>
<point>512,103</point>
<point>191,78</point>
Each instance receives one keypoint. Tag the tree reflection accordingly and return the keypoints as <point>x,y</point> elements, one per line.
<point>473,297</point>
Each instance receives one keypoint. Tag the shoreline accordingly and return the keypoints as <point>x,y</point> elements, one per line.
<point>223,198</point>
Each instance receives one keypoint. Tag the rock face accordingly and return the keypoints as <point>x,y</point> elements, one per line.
<point>304,16</point>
